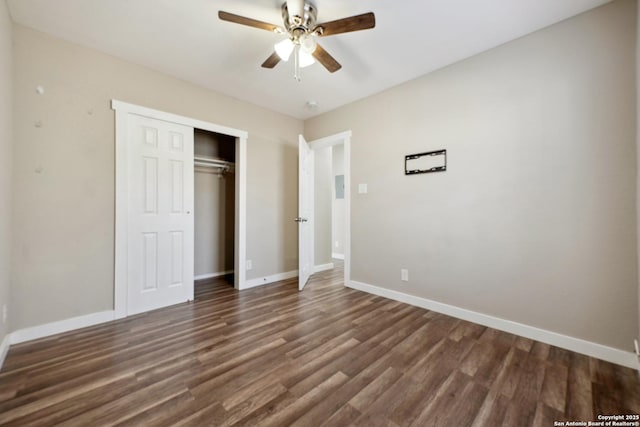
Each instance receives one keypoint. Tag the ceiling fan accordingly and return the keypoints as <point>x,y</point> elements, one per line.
<point>301,29</point>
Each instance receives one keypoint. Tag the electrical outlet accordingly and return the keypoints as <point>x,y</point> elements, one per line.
<point>337,243</point>
<point>249,265</point>
<point>4,313</point>
<point>404,275</point>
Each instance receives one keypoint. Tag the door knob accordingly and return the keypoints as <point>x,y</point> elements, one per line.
<point>300,219</point>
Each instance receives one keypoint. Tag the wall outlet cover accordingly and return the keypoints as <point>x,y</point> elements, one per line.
<point>249,264</point>
<point>404,275</point>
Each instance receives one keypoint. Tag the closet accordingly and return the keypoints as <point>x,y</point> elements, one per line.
<point>214,205</point>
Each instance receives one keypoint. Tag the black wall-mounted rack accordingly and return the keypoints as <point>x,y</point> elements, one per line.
<point>439,163</point>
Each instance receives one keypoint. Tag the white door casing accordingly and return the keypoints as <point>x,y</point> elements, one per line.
<point>160,238</point>
<point>305,212</point>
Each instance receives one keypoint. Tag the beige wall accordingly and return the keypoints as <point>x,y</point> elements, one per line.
<point>534,221</point>
<point>6,141</point>
<point>64,173</point>
<point>322,206</point>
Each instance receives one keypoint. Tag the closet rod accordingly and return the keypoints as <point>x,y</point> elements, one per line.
<point>210,162</point>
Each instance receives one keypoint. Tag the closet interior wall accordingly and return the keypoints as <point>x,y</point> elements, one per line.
<point>214,205</point>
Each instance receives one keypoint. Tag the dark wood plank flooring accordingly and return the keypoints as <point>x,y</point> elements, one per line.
<point>330,355</point>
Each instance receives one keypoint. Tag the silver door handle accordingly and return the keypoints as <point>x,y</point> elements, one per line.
<point>300,219</point>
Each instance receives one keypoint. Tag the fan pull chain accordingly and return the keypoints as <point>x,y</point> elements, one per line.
<point>296,61</point>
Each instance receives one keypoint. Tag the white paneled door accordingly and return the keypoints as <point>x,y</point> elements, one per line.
<point>160,218</point>
<point>305,212</point>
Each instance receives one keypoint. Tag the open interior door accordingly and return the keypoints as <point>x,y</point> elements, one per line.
<point>305,212</point>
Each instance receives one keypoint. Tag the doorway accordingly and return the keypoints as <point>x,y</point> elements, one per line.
<point>126,196</point>
<point>329,207</point>
<point>343,141</point>
<point>214,205</point>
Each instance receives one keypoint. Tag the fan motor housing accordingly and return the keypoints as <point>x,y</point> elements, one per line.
<point>299,25</point>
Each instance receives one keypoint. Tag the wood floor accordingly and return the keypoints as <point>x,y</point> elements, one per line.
<point>271,356</point>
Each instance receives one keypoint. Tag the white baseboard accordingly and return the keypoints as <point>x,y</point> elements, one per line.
<point>4,348</point>
<point>323,267</point>
<point>212,275</point>
<point>66,325</point>
<point>337,256</point>
<point>599,351</point>
<point>259,281</point>
<point>41,331</point>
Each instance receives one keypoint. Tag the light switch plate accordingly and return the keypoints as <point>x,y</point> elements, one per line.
<point>362,188</point>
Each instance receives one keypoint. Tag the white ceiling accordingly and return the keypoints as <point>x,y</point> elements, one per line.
<point>185,38</point>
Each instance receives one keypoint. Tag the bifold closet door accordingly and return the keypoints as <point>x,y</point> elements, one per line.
<point>160,225</point>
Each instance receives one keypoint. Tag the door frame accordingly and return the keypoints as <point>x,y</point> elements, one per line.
<point>122,110</point>
<point>330,141</point>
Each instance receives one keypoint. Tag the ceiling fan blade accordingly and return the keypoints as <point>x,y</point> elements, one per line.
<point>328,61</point>
<point>347,25</point>
<point>237,19</point>
<point>271,61</point>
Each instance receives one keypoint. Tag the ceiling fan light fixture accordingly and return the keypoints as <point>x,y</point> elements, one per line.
<point>284,49</point>
<point>301,27</point>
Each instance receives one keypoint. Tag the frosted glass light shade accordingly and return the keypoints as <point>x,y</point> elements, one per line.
<point>308,44</point>
<point>305,59</point>
<point>284,49</point>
